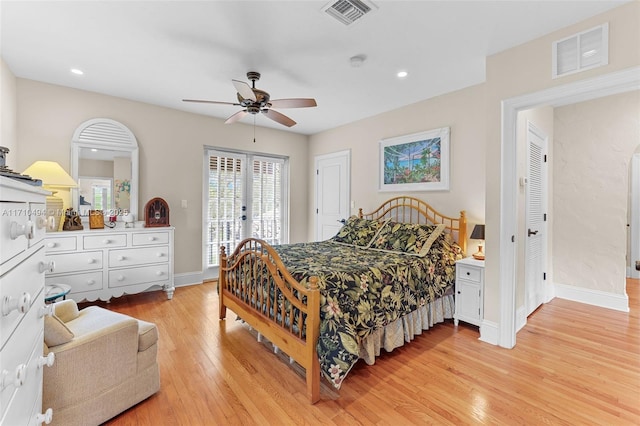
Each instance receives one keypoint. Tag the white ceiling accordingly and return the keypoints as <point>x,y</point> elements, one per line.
<point>160,52</point>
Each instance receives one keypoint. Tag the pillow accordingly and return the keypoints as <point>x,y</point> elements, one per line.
<point>410,238</point>
<point>55,331</point>
<point>358,231</point>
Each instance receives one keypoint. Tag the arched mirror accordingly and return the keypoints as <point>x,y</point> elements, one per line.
<point>104,162</point>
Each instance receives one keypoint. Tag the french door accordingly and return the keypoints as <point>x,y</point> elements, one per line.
<point>246,195</point>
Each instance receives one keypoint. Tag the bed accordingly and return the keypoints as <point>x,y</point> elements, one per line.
<point>384,278</point>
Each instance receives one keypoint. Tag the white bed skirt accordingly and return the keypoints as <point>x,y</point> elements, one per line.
<point>404,329</point>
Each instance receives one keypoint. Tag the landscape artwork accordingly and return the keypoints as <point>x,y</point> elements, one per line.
<point>416,162</point>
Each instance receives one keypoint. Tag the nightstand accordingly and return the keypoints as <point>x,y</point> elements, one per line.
<point>469,292</point>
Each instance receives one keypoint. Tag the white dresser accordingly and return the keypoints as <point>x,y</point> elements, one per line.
<point>22,307</point>
<point>106,263</point>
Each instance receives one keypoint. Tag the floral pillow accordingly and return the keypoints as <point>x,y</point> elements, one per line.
<point>410,238</point>
<point>358,231</point>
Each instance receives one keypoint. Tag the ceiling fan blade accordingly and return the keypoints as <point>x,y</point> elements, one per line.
<point>293,103</point>
<point>244,89</point>
<point>235,117</point>
<point>278,117</point>
<point>210,102</point>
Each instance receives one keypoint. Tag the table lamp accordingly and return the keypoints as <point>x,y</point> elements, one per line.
<point>53,178</point>
<point>478,234</point>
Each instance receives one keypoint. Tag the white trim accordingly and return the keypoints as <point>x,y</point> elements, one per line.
<point>603,299</point>
<point>318,158</point>
<point>634,229</point>
<point>188,278</point>
<point>604,85</point>
<point>489,332</point>
<point>521,318</point>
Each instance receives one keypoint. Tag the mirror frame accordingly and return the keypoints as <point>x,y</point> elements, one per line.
<point>107,134</point>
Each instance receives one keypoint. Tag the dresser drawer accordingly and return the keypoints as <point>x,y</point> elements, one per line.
<point>56,244</point>
<point>104,241</point>
<point>147,238</point>
<point>468,273</point>
<point>79,283</point>
<point>25,278</point>
<point>76,262</point>
<point>12,215</point>
<point>144,274</point>
<point>138,256</point>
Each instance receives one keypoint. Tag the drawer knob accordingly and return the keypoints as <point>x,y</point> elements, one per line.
<point>41,222</point>
<point>47,266</point>
<point>160,254</point>
<point>152,238</point>
<point>91,282</point>
<point>120,277</point>
<point>20,304</point>
<point>106,241</point>
<point>45,417</point>
<point>47,360</point>
<point>51,244</point>
<point>91,260</point>
<point>45,310</point>
<point>159,273</point>
<point>27,230</point>
<point>16,379</point>
<point>121,258</point>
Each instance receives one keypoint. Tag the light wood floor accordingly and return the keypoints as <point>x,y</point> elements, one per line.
<point>573,364</point>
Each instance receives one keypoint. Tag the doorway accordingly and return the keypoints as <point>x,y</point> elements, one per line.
<point>332,192</point>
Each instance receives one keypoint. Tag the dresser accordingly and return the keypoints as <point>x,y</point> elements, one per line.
<point>22,307</point>
<point>469,291</point>
<point>106,263</point>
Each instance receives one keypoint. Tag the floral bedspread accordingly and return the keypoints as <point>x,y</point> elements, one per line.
<point>364,289</point>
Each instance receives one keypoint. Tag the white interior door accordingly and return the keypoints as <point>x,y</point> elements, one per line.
<point>332,192</point>
<point>535,218</point>
<point>634,229</point>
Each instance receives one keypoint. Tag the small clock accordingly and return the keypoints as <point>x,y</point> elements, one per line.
<point>156,213</point>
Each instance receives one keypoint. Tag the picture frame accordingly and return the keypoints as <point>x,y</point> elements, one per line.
<point>96,219</point>
<point>415,162</point>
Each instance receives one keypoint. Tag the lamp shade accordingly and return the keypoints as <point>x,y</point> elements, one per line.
<point>478,233</point>
<point>51,174</point>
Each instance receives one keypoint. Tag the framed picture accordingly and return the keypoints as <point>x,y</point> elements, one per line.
<point>96,219</point>
<point>416,162</point>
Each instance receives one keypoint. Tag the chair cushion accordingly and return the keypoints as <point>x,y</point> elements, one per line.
<point>66,310</point>
<point>55,331</point>
<point>147,335</point>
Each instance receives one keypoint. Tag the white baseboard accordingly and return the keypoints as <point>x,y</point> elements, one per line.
<point>618,302</point>
<point>489,332</point>
<point>187,278</point>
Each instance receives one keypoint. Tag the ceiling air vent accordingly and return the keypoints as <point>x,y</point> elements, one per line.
<point>349,11</point>
<point>582,51</point>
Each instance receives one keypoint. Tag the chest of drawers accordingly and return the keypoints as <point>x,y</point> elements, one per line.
<point>101,264</point>
<point>22,307</point>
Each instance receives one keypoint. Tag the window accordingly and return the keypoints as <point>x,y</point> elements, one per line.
<point>246,195</point>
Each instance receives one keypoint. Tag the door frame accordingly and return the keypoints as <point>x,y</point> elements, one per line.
<point>346,185</point>
<point>634,225</point>
<point>506,258</point>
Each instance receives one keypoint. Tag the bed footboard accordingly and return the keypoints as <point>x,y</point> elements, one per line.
<point>255,284</point>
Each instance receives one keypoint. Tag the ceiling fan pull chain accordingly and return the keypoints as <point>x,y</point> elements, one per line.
<point>254,129</point>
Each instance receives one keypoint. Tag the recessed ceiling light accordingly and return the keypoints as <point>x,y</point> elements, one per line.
<point>402,74</point>
<point>76,71</point>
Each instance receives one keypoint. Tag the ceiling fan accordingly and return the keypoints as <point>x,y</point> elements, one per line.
<point>255,100</point>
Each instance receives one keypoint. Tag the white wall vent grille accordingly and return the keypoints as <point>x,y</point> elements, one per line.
<point>582,51</point>
<point>348,11</point>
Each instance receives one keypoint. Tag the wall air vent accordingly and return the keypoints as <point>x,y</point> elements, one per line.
<point>582,51</point>
<point>349,11</point>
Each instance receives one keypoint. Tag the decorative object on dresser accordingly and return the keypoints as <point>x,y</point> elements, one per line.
<point>72,221</point>
<point>22,306</point>
<point>106,263</point>
<point>96,219</point>
<point>478,234</point>
<point>53,178</point>
<point>469,291</point>
<point>106,362</point>
<point>156,213</point>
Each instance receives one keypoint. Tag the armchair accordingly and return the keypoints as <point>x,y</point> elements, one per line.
<point>105,362</point>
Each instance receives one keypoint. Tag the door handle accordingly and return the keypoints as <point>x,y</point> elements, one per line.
<point>342,221</point>
<point>530,232</point>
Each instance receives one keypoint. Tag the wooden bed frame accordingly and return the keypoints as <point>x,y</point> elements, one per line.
<point>294,327</point>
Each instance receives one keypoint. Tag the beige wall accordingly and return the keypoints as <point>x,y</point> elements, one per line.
<point>462,111</point>
<point>171,152</point>
<point>8,123</point>
<point>594,143</point>
<point>527,69</point>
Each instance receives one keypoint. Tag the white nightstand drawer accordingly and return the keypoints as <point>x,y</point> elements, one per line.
<point>147,238</point>
<point>138,256</point>
<point>144,274</point>
<point>468,273</point>
<point>104,241</point>
<point>79,282</point>
<point>76,262</point>
<point>55,244</point>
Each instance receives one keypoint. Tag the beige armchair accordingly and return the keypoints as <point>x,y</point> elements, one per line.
<point>105,362</point>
